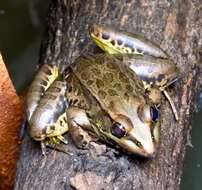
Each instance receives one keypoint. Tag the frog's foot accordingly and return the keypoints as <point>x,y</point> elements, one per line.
<point>54,143</point>
<point>78,124</point>
<point>155,95</point>
<point>43,148</point>
<point>172,104</point>
<point>62,139</point>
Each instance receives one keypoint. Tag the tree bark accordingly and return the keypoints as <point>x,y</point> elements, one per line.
<point>176,27</point>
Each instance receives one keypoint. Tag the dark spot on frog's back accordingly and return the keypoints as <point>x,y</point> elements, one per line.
<point>102,94</point>
<point>96,71</point>
<point>123,78</point>
<point>81,65</point>
<point>90,82</point>
<point>117,86</point>
<point>112,92</point>
<point>84,76</point>
<point>99,83</point>
<point>108,77</point>
<point>129,88</point>
<point>75,101</point>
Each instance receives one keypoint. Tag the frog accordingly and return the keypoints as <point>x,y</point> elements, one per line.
<point>88,111</point>
<point>145,58</point>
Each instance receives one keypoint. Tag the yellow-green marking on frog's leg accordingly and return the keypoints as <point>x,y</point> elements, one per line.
<point>114,42</point>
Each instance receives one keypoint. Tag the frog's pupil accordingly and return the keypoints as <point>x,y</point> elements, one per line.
<point>154,113</point>
<point>118,130</point>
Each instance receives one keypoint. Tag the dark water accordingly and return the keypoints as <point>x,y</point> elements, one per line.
<point>21,30</point>
<point>22,25</point>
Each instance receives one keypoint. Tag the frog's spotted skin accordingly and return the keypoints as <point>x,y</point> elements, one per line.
<point>114,42</point>
<point>104,79</point>
<point>122,97</point>
<point>44,78</point>
<point>153,65</point>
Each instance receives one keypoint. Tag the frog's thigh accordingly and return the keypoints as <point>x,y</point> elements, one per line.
<point>78,122</point>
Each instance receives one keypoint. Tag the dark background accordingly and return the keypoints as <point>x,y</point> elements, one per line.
<point>22,27</point>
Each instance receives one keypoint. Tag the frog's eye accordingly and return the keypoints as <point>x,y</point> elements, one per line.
<point>154,113</point>
<point>118,130</point>
<point>148,113</point>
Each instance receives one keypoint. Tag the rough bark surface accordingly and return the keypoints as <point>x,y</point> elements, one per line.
<point>11,114</point>
<point>176,27</point>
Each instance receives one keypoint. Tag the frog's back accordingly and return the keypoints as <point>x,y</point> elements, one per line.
<point>107,79</point>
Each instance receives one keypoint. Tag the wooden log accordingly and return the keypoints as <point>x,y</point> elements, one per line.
<point>176,27</point>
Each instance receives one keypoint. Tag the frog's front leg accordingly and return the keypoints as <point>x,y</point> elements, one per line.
<point>155,95</point>
<point>78,126</point>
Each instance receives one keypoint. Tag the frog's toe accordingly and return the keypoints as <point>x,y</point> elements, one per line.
<point>62,139</point>
<point>43,148</point>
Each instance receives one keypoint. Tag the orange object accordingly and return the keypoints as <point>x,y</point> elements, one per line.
<point>11,115</point>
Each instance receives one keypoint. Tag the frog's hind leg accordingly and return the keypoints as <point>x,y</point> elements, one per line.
<point>55,132</point>
<point>172,104</point>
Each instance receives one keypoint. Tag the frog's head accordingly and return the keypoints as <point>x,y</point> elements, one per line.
<point>136,131</point>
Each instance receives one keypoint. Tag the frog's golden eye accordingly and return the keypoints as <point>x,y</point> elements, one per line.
<point>148,113</point>
<point>118,130</point>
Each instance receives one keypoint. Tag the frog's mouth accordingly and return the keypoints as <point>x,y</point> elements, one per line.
<point>133,146</point>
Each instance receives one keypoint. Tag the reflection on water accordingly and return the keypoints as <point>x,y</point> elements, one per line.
<point>20,36</point>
